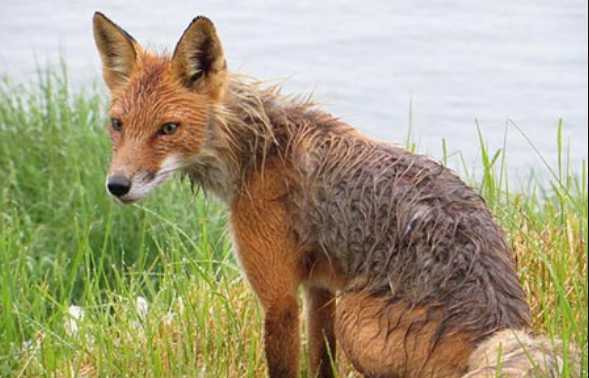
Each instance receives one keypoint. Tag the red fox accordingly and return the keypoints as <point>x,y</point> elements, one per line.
<point>398,259</point>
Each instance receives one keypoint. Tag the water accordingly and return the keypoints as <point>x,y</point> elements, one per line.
<point>439,65</point>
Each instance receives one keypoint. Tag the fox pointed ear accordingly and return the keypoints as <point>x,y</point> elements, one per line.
<point>118,51</point>
<point>198,61</point>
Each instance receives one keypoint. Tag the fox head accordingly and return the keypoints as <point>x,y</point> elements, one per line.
<point>161,106</point>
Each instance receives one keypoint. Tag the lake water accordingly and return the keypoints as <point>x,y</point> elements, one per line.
<point>381,65</point>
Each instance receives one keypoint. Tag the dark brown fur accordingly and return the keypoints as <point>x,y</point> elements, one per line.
<point>399,224</point>
<point>397,228</point>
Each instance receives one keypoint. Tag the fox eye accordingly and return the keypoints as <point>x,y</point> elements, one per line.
<point>168,128</point>
<point>116,124</point>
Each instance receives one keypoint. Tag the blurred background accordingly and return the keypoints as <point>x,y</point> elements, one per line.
<point>430,68</point>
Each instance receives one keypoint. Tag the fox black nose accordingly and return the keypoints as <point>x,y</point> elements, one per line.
<point>118,185</point>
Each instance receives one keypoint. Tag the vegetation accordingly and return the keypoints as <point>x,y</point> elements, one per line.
<point>158,291</point>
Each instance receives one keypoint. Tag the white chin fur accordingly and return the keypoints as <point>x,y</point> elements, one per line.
<point>142,183</point>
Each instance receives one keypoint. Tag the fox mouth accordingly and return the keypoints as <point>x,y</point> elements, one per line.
<point>138,187</point>
<point>127,190</point>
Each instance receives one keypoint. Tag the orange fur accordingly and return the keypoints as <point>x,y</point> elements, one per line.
<point>272,263</point>
<point>249,146</point>
<point>394,340</point>
<point>154,90</point>
<point>275,266</point>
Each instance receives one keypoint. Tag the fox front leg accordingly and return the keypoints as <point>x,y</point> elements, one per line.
<point>272,263</point>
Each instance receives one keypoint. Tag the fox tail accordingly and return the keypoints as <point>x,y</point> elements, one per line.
<point>516,353</point>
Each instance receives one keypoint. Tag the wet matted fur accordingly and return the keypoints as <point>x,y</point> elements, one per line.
<point>425,281</point>
<point>398,224</point>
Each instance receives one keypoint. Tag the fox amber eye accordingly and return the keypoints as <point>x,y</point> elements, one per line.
<point>168,128</point>
<point>116,124</point>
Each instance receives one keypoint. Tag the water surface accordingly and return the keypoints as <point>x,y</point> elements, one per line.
<point>381,65</point>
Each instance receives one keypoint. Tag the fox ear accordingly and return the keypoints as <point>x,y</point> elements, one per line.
<point>118,51</point>
<point>198,61</point>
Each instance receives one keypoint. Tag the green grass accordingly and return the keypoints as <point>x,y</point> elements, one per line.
<point>63,242</point>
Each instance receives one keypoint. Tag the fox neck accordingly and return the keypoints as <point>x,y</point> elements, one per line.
<point>240,137</point>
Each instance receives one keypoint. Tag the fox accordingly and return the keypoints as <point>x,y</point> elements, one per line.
<point>396,257</point>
